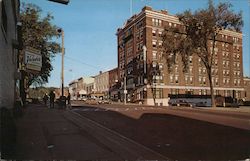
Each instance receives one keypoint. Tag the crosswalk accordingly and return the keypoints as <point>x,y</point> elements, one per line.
<point>115,109</point>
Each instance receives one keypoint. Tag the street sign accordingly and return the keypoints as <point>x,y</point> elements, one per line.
<point>33,59</point>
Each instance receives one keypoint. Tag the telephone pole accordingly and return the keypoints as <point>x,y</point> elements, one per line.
<point>60,31</point>
<point>63,62</point>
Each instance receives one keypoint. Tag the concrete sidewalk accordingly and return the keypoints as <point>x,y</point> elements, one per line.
<point>46,134</point>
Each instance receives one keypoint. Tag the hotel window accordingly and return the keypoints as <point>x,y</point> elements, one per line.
<point>154,32</point>
<point>199,91</point>
<point>200,70</point>
<point>154,44</point>
<point>171,79</point>
<point>154,64</point>
<point>176,69</point>
<point>154,55</point>
<point>170,24</point>
<point>205,92</point>
<point>190,59</point>
<point>160,33</point>
<point>191,80</point>
<point>200,80</point>
<point>160,43</point>
<point>141,33</point>
<point>224,80</point>
<point>216,62</point>
<point>235,82</point>
<point>238,81</point>
<point>160,66</point>
<point>204,70</point>
<point>186,79</point>
<point>204,80</point>
<point>160,22</point>
<point>216,81</point>
<point>190,70</point>
<point>176,79</point>
<point>174,25</point>
<point>199,60</point>
<point>159,93</point>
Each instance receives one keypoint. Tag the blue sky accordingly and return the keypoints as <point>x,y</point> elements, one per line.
<point>90,27</point>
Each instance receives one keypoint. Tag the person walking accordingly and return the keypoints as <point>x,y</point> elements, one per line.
<point>52,99</point>
<point>68,99</point>
<point>45,99</point>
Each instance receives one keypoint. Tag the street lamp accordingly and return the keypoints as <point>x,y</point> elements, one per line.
<point>60,31</point>
<point>60,1</point>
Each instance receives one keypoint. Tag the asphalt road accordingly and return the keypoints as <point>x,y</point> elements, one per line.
<point>179,133</point>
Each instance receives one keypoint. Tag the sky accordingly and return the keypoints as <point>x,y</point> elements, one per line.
<point>90,31</point>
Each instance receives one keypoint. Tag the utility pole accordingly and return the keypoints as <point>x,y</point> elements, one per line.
<point>63,62</point>
<point>60,31</point>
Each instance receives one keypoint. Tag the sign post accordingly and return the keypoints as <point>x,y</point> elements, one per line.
<point>33,60</point>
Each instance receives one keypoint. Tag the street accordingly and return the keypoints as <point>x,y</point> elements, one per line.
<point>178,133</point>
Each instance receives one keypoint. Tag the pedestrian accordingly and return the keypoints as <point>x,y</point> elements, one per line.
<point>52,99</point>
<point>45,99</point>
<point>68,98</point>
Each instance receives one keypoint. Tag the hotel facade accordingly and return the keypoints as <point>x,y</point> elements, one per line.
<point>140,48</point>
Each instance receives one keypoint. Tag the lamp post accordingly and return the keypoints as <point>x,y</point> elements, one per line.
<point>60,31</point>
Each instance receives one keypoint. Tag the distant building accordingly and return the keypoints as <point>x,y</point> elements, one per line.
<point>246,96</point>
<point>113,84</point>
<point>79,88</point>
<point>102,84</point>
<point>146,29</point>
<point>9,48</point>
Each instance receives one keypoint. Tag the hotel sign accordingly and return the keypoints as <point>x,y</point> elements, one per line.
<point>33,59</point>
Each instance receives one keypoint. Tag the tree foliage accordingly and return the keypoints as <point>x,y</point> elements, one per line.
<point>38,32</point>
<point>199,30</point>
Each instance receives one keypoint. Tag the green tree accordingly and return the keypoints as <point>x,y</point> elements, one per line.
<point>199,30</point>
<point>38,32</point>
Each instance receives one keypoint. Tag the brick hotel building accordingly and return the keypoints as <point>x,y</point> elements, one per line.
<point>145,29</point>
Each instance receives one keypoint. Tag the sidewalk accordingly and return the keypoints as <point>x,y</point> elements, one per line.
<point>46,134</point>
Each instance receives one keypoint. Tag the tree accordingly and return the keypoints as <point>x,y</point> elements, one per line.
<point>38,33</point>
<point>198,31</point>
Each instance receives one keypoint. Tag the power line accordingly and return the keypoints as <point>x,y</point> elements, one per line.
<point>76,60</point>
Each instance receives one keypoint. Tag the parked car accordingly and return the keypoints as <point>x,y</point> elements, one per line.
<point>104,101</point>
<point>92,101</point>
<point>182,103</point>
